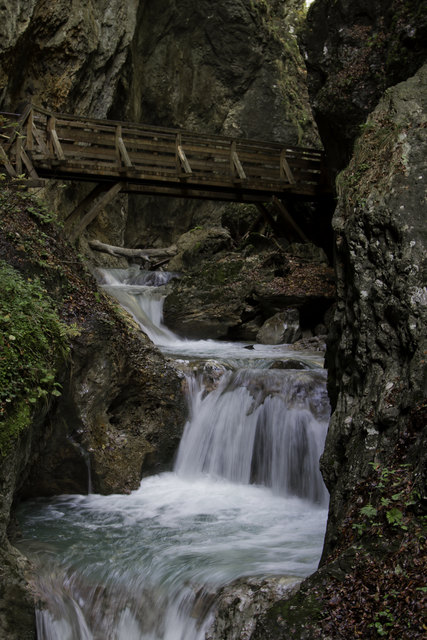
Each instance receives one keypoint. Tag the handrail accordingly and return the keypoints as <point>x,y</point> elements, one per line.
<point>163,159</point>
<point>171,130</point>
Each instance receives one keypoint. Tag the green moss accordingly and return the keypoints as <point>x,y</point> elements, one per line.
<point>377,154</point>
<point>33,342</point>
<point>221,272</point>
<point>16,421</point>
<point>297,617</point>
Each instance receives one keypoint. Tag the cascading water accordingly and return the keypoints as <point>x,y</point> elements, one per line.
<point>245,498</point>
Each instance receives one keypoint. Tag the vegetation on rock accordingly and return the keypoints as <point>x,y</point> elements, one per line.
<point>33,342</point>
<point>46,278</point>
<point>373,584</point>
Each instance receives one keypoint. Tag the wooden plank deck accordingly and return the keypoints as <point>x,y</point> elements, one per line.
<point>158,160</point>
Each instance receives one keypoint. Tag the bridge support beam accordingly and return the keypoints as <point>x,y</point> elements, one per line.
<point>95,209</point>
<point>4,160</point>
<point>286,216</point>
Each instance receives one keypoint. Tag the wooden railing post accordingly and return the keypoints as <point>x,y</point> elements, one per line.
<point>121,151</point>
<point>285,170</point>
<point>30,125</point>
<point>5,161</point>
<point>182,165</point>
<point>54,144</point>
<point>93,212</point>
<point>235,164</point>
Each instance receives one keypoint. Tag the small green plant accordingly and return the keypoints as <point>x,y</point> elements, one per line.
<point>369,511</point>
<point>42,212</point>
<point>395,517</point>
<point>384,621</point>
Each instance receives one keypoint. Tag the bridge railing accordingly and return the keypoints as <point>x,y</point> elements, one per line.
<point>70,147</point>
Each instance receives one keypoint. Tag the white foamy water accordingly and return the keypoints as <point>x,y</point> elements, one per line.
<point>157,548</point>
<point>246,499</point>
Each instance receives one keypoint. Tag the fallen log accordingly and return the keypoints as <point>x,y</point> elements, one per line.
<point>162,253</point>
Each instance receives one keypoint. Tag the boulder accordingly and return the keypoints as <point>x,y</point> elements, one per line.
<point>282,328</point>
<point>197,245</point>
<point>239,604</point>
<point>232,294</point>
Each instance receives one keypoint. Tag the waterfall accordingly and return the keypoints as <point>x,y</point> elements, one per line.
<point>245,497</point>
<point>260,426</point>
<point>140,293</point>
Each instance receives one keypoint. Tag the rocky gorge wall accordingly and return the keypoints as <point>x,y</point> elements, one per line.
<point>66,56</point>
<point>109,401</point>
<point>376,348</point>
<point>377,369</point>
<point>354,50</point>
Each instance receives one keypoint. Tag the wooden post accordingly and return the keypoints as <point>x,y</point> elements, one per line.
<point>117,136</point>
<point>285,169</point>
<point>235,164</point>
<point>30,168</point>
<point>5,161</point>
<point>269,219</point>
<point>39,139</point>
<point>30,124</point>
<point>121,150</point>
<point>288,218</point>
<point>74,215</point>
<point>53,136</point>
<point>182,164</point>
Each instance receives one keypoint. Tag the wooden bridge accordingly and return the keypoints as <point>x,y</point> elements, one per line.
<point>134,158</point>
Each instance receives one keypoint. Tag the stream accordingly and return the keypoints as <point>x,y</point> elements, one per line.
<point>245,496</point>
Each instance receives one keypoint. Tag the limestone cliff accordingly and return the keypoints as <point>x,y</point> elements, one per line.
<point>377,369</point>
<point>354,50</point>
<point>64,55</point>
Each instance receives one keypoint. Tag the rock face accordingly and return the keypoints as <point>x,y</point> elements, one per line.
<point>375,456</point>
<point>199,65</point>
<point>64,55</point>
<point>376,362</point>
<point>354,50</point>
<point>239,605</point>
<point>120,417</point>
